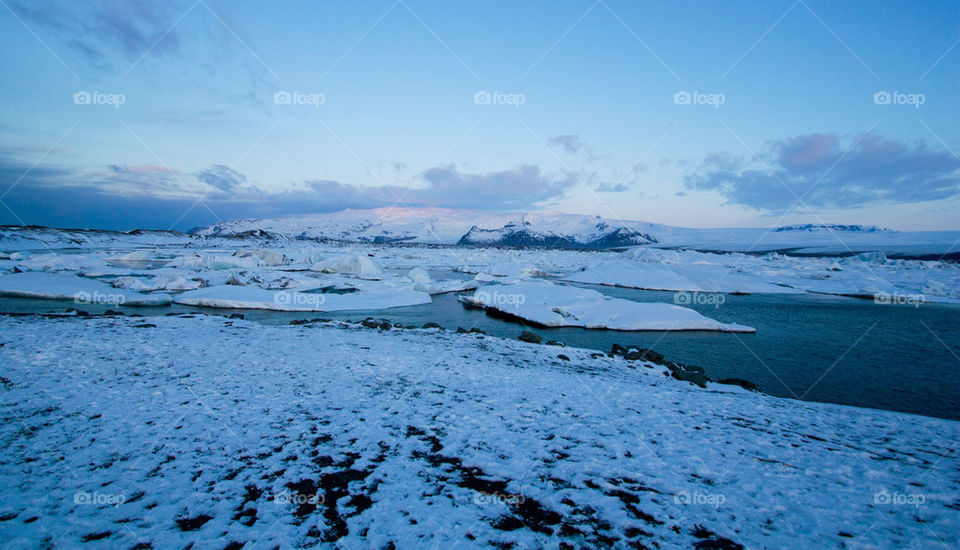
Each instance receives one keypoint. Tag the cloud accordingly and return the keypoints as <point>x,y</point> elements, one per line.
<point>127,197</point>
<point>100,30</point>
<point>221,177</point>
<point>569,143</point>
<point>610,187</point>
<point>521,187</point>
<point>828,171</point>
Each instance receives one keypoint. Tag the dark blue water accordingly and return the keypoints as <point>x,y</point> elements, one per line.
<point>810,347</point>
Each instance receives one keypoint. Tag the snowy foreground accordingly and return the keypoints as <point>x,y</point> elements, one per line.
<point>165,431</point>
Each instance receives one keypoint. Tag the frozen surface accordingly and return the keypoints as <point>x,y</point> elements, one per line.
<point>555,305</point>
<point>252,297</point>
<point>864,275</point>
<point>289,436</point>
<point>61,286</point>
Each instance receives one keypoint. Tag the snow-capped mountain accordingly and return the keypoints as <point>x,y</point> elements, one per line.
<point>522,234</point>
<point>516,229</point>
<point>558,230</point>
<point>447,226</point>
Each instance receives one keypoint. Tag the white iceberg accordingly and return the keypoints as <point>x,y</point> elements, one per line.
<point>693,275</point>
<point>61,286</point>
<point>252,297</point>
<point>554,305</point>
<point>160,282</point>
<point>424,283</point>
<point>358,265</point>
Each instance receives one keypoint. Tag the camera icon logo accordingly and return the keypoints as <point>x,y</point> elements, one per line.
<point>881,497</point>
<point>81,98</point>
<point>482,98</point>
<point>681,98</point>
<point>881,98</point>
<point>281,98</point>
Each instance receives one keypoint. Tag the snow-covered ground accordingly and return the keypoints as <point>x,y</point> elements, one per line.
<point>162,432</point>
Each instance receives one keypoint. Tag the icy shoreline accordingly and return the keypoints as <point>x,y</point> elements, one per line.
<point>360,437</point>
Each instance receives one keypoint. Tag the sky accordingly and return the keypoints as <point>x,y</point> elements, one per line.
<point>171,115</point>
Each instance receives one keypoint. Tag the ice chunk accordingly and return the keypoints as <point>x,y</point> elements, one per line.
<point>556,305</point>
<point>358,265</point>
<point>250,297</point>
<point>61,286</point>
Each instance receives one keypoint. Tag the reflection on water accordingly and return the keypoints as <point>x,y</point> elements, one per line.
<point>811,347</point>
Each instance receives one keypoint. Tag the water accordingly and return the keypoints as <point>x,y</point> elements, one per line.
<point>810,347</point>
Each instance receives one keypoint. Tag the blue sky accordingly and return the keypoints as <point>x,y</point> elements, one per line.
<point>588,110</point>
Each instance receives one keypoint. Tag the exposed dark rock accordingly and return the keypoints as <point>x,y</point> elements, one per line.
<point>634,353</point>
<point>192,524</point>
<point>697,378</point>
<point>643,354</point>
<point>719,543</point>
<point>532,337</point>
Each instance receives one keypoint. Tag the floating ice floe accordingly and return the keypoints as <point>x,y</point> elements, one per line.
<point>357,265</point>
<point>61,286</point>
<point>424,283</point>
<point>250,297</point>
<point>215,261</point>
<point>160,282</point>
<point>700,277</point>
<point>554,305</point>
<point>863,275</point>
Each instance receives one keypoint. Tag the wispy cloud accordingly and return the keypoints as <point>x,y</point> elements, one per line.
<point>829,171</point>
<point>105,33</point>
<point>569,143</point>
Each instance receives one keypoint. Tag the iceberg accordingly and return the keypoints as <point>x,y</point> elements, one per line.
<point>554,305</point>
<point>83,291</point>
<point>251,297</point>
